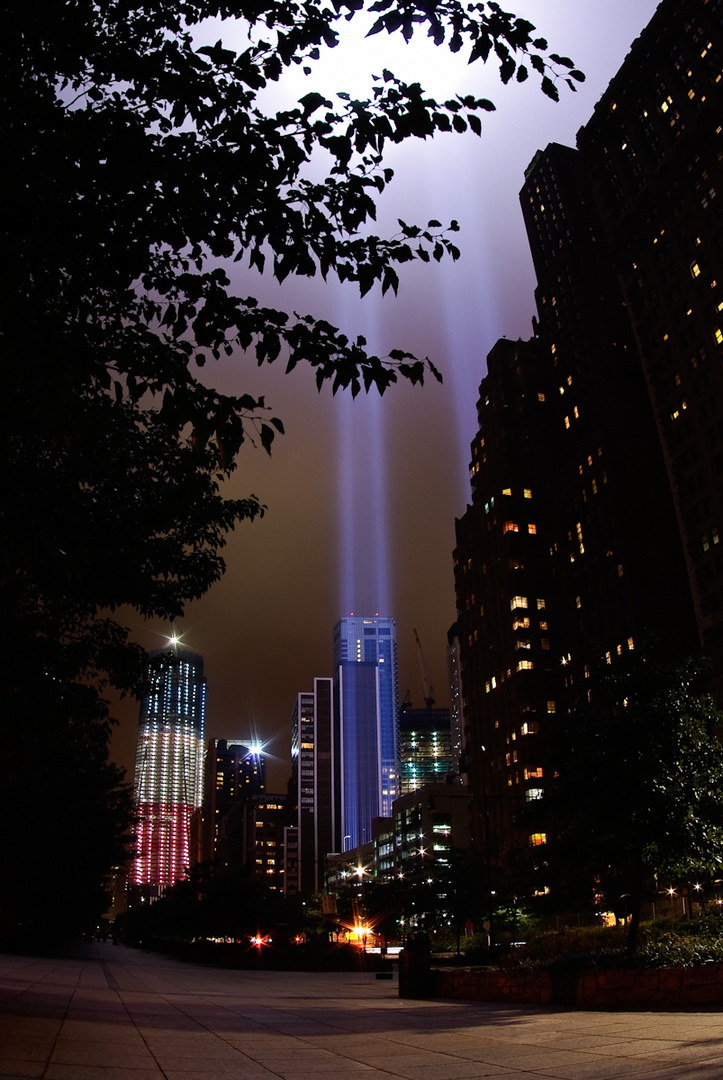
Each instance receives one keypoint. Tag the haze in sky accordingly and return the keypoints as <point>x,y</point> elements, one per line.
<point>362,496</point>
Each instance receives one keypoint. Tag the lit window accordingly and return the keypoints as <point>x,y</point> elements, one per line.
<point>567,421</point>
<point>533,793</point>
<point>518,602</point>
<point>540,605</point>
<point>718,334</point>
<point>537,839</point>
<point>510,526</point>
<point>521,623</point>
<point>578,601</point>
<point>532,530</point>
<point>506,491</point>
<point>540,397</point>
<point>551,706</point>
<point>525,665</point>
<point>527,492</point>
<point>695,269</point>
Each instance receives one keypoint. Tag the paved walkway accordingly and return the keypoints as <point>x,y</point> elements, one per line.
<point>118,1014</point>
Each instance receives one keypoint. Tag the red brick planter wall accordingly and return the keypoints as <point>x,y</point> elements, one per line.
<point>627,988</point>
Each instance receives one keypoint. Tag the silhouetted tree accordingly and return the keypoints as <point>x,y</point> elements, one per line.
<point>137,168</point>
<point>639,790</point>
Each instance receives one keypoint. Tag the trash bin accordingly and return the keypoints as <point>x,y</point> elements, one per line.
<point>415,968</point>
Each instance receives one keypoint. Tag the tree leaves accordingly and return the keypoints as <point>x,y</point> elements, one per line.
<point>137,167</point>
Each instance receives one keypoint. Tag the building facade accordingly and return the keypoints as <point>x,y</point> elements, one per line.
<point>425,747</point>
<point>596,482</point>
<point>653,156</point>
<point>234,773</point>
<point>316,777</point>
<point>365,702</point>
<point>169,764</point>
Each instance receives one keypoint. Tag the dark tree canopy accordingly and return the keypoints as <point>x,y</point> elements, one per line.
<point>137,169</point>
<point>639,788</point>
<point>136,166</point>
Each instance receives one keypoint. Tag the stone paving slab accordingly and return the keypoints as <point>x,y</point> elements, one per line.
<point>109,1013</point>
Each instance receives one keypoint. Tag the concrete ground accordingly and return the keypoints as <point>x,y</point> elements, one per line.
<point>118,1014</point>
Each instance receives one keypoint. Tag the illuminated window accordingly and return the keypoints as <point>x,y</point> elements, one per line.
<point>506,491</point>
<point>695,269</point>
<point>551,706</point>
<point>540,397</point>
<point>527,492</point>
<point>523,643</point>
<point>510,526</point>
<point>533,794</point>
<point>540,605</point>
<point>718,334</point>
<point>518,602</point>
<point>567,421</point>
<point>532,529</point>
<point>525,665</point>
<point>521,623</point>
<point>537,839</point>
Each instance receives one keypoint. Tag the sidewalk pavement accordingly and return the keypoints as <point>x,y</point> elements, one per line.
<point>119,1014</point>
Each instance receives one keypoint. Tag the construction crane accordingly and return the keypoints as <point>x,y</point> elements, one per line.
<point>428,688</point>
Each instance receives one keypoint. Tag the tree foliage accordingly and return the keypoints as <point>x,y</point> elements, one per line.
<point>639,790</point>
<point>139,167</point>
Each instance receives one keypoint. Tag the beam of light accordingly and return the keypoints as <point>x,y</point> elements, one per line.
<point>363,517</point>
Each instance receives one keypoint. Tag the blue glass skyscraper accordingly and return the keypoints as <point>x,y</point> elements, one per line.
<point>365,676</point>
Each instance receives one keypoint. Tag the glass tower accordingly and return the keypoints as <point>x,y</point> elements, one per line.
<point>365,673</point>
<point>169,764</point>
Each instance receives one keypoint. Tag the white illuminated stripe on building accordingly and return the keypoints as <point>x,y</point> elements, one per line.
<point>169,765</point>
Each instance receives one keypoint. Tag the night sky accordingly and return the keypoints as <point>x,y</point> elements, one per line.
<point>362,496</point>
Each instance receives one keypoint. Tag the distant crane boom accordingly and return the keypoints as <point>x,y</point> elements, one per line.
<point>428,688</point>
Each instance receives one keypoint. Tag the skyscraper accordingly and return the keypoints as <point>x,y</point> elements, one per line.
<point>234,772</point>
<point>169,764</point>
<point>365,679</point>
<point>315,771</point>
<point>596,474</point>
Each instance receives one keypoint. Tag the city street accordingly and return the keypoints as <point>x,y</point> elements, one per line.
<point>117,1014</point>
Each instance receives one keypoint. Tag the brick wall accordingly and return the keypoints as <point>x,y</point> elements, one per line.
<point>627,988</point>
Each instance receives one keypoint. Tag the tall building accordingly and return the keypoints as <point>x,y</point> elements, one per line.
<point>425,747</point>
<point>234,772</point>
<point>507,632</point>
<point>597,499</point>
<point>169,764</point>
<point>315,762</point>
<point>653,157</point>
<point>365,702</point>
